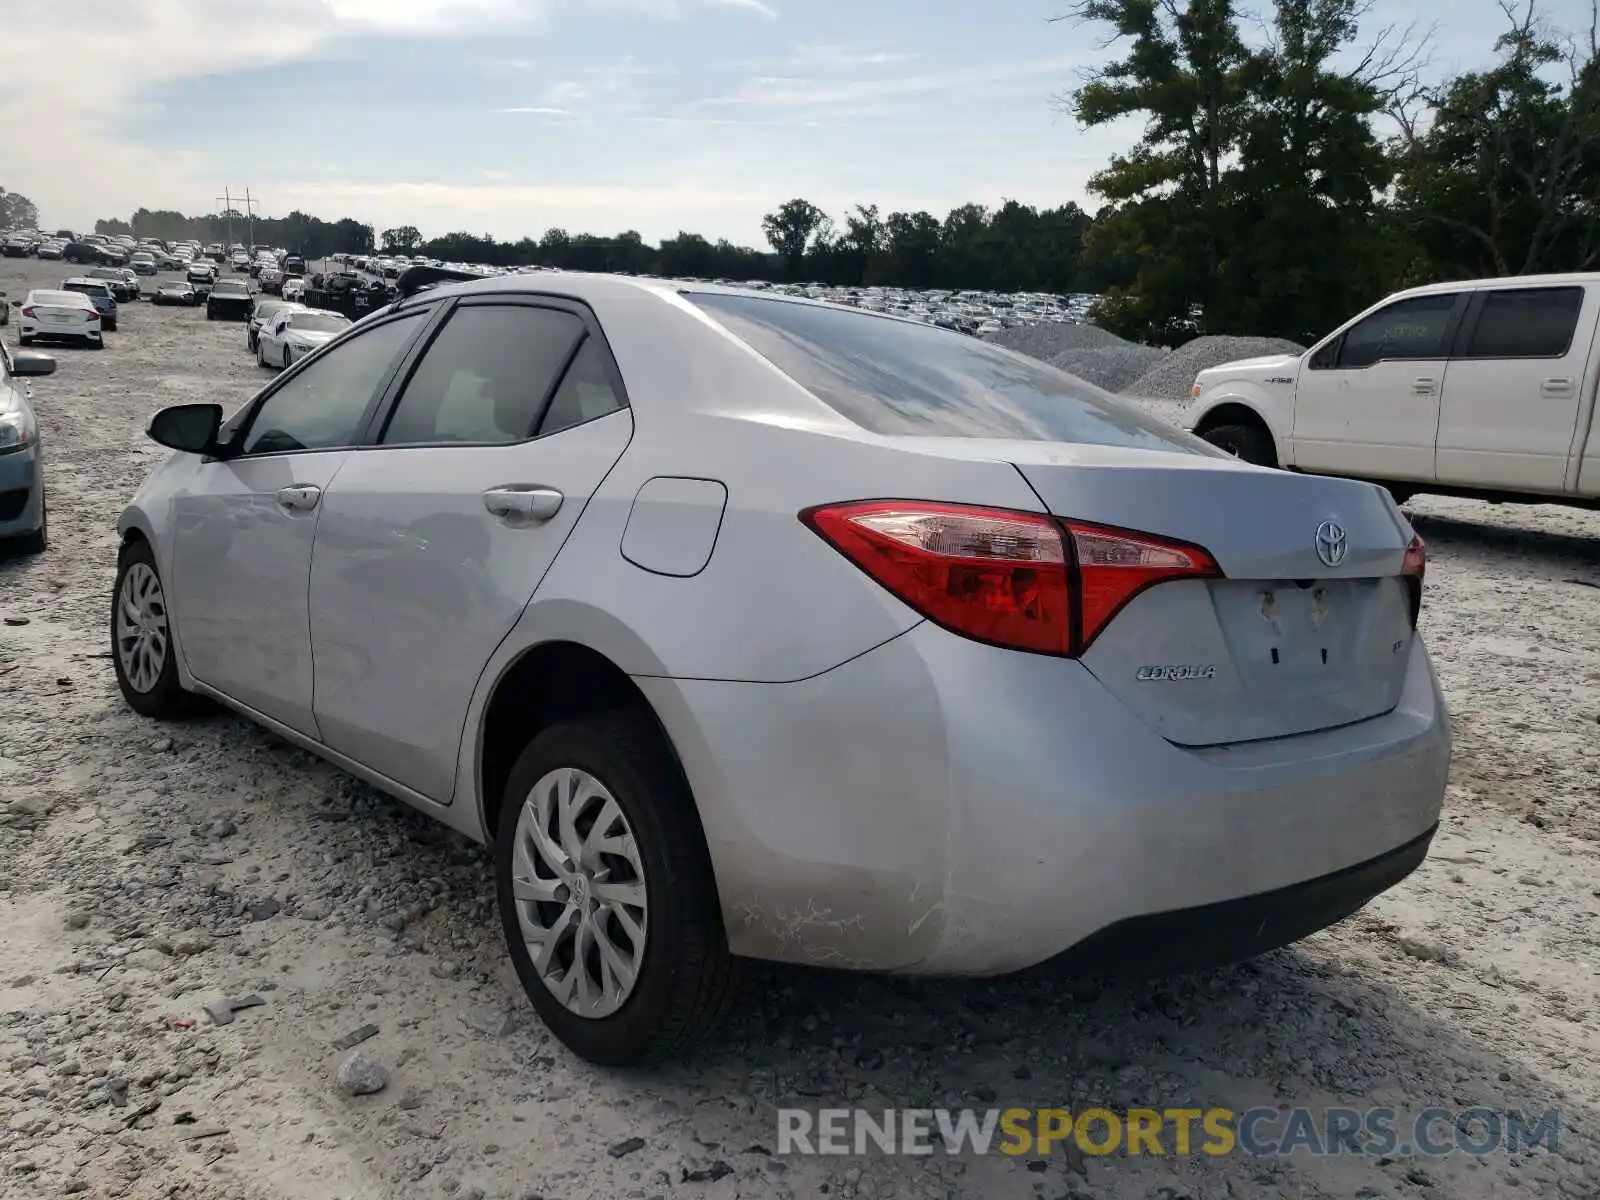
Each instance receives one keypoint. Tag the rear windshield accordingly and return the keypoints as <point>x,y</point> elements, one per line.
<point>901,379</point>
<point>230,287</point>
<point>88,289</point>
<point>72,298</point>
<point>318,322</point>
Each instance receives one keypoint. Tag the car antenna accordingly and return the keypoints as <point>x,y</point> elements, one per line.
<point>414,279</point>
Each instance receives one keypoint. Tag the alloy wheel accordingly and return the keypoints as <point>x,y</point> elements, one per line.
<point>580,894</point>
<point>141,627</point>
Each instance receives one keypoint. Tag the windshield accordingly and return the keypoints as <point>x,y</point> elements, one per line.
<point>901,379</point>
<point>317,322</point>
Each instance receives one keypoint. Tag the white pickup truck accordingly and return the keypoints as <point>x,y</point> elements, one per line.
<point>1484,388</point>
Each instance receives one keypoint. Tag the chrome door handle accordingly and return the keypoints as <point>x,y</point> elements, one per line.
<point>302,497</point>
<point>1556,387</point>
<point>522,500</point>
<point>1424,387</point>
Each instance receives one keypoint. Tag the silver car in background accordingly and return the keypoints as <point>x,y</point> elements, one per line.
<point>756,627</point>
<point>24,523</point>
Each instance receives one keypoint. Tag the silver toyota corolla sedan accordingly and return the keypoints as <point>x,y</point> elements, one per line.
<point>746,627</point>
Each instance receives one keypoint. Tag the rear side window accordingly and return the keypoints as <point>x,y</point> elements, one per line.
<point>1407,329</point>
<point>485,377</point>
<point>586,391</point>
<point>900,379</point>
<point>1526,323</point>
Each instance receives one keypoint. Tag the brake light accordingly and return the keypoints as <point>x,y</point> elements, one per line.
<point>1115,565</point>
<point>30,312</point>
<point>1413,568</point>
<point>1015,579</point>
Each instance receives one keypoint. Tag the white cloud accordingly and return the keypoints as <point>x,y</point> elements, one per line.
<point>803,92</point>
<point>87,167</point>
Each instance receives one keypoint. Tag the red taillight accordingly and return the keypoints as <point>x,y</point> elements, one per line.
<point>1413,568</point>
<point>1115,565</point>
<point>30,312</point>
<point>1014,579</point>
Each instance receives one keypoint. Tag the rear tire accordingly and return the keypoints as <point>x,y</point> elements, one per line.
<point>24,340</point>
<point>1250,443</point>
<point>685,975</point>
<point>148,679</point>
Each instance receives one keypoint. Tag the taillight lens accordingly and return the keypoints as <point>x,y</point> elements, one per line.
<point>1115,565</point>
<point>1020,580</point>
<point>30,312</point>
<point>1413,568</point>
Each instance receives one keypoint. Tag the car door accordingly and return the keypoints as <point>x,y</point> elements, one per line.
<point>1367,401</point>
<point>1514,387</point>
<point>242,528</point>
<point>271,338</point>
<point>432,541</point>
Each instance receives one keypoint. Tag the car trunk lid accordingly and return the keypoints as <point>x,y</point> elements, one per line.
<point>1310,625</point>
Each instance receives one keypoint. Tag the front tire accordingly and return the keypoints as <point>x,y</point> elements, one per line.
<point>141,639</point>
<point>39,540</point>
<point>603,873</point>
<point>1250,443</point>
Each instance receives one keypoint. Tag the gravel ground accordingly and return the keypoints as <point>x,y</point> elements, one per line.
<point>147,872</point>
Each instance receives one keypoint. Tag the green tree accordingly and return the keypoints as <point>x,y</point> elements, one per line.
<point>1505,177</point>
<point>17,211</point>
<point>791,230</point>
<point>404,239</point>
<point>1185,74</point>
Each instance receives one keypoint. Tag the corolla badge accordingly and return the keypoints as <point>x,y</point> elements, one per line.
<point>1332,543</point>
<point>1172,674</point>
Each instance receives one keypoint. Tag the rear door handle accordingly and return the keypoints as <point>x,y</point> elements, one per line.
<point>1556,387</point>
<point>1424,386</point>
<point>528,501</point>
<point>301,497</point>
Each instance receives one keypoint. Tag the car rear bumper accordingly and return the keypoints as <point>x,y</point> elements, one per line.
<point>21,492</point>
<point>937,806</point>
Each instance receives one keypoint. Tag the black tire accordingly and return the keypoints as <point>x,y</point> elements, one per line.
<point>24,340</point>
<point>109,326</point>
<point>98,343</point>
<point>687,975</point>
<point>39,540</point>
<point>1248,442</point>
<point>210,315</point>
<point>166,700</point>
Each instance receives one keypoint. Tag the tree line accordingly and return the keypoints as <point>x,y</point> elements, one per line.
<point>1285,178</point>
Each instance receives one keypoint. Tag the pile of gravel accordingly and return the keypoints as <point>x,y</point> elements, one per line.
<point>1110,367</point>
<point>1051,338</point>
<point>1173,376</point>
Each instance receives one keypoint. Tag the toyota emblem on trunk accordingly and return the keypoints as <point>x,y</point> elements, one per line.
<point>1331,543</point>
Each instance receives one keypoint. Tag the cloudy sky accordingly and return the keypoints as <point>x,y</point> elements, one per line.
<point>510,116</point>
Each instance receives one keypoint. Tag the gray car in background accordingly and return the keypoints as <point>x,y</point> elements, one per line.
<point>754,627</point>
<point>23,520</point>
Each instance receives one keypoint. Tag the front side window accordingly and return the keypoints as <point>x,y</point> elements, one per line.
<point>1526,323</point>
<point>1414,328</point>
<point>485,377</point>
<point>322,405</point>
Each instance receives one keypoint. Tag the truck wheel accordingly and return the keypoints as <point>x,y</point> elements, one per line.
<point>1248,442</point>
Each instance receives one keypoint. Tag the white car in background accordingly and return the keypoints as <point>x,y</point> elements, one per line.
<point>294,288</point>
<point>295,333</point>
<point>51,313</point>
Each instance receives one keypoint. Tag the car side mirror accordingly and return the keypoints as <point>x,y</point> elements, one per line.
<point>31,362</point>
<point>191,428</point>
